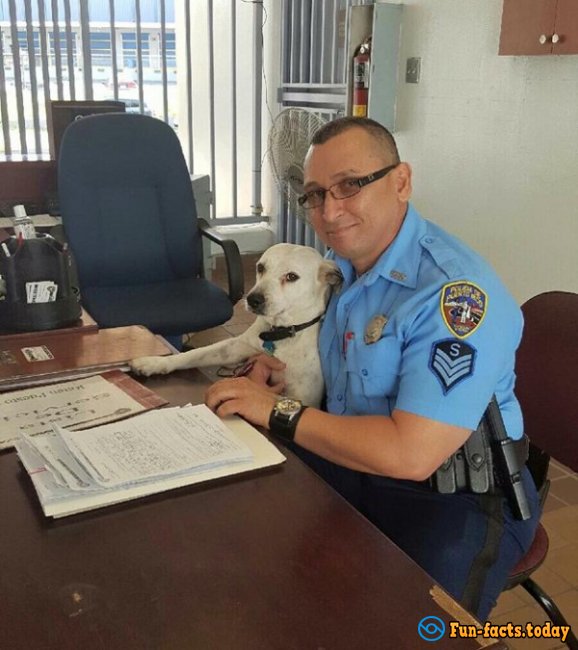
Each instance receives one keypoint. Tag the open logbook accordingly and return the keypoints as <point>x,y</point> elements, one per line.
<point>75,471</point>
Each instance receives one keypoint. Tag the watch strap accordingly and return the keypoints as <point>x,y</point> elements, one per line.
<point>284,427</point>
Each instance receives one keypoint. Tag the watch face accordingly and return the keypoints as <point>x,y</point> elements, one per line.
<point>288,406</point>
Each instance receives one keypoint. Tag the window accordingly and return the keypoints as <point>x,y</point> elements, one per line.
<point>100,48</point>
<point>171,51</point>
<point>23,41</point>
<point>130,51</point>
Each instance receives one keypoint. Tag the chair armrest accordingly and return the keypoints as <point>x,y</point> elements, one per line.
<point>232,259</point>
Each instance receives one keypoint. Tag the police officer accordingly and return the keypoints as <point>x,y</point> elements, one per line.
<point>413,347</point>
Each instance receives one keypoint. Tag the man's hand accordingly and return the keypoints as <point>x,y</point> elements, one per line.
<point>243,397</point>
<point>267,371</point>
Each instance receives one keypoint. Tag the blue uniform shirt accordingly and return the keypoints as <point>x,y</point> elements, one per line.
<point>430,330</point>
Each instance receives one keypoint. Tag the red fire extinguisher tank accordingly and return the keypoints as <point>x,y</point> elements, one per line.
<point>361,74</point>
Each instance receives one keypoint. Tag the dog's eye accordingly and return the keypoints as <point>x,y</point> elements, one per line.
<point>291,277</point>
<point>260,268</point>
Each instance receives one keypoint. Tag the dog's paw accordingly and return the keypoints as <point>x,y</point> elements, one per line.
<point>148,366</point>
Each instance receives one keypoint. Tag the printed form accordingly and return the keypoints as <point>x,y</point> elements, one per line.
<point>146,447</point>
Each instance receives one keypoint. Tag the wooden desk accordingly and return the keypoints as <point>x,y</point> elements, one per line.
<point>85,323</point>
<point>270,560</point>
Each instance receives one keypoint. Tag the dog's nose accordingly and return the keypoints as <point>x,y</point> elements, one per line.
<point>256,302</point>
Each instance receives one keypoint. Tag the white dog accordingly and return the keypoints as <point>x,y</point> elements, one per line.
<point>290,296</point>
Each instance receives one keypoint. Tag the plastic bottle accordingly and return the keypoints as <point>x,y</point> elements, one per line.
<point>23,224</point>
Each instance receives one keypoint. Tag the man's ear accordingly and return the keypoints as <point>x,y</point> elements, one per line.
<point>403,181</point>
<point>330,274</point>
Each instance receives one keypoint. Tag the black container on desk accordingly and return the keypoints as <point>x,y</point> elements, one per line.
<point>37,260</point>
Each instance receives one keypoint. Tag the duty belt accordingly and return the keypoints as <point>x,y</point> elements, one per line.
<point>488,462</point>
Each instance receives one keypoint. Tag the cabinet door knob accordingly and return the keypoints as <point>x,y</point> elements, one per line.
<point>543,39</point>
<point>555,38</point>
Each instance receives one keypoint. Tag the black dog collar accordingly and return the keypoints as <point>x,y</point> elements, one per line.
<point>280,333</point>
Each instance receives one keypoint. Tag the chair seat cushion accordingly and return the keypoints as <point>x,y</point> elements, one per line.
<point>160,306</point>
<point>532,559</point>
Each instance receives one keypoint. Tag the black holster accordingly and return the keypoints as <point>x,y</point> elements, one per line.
<point>488,462</point>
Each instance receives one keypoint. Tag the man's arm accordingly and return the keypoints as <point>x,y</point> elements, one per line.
<point>401,446</point>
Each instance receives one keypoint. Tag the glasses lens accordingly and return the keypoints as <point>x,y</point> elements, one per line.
<point>312,199</point>
<point>345,189</point>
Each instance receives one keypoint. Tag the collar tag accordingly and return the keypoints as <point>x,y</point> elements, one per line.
<point>269,347</point>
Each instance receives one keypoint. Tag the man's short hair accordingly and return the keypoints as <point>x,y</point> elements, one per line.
<point>382,136</point>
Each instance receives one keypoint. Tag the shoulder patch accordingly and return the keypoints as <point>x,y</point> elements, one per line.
<point>463,306</point>
<point>452,361</point>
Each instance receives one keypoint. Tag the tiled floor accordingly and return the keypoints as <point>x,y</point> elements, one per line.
<point>558,576</point>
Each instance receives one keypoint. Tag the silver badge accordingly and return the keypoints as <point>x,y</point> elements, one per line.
<point>374,328</point>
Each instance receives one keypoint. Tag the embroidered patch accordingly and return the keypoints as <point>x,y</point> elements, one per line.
<point>463,306</point>
<point>374,329</point>
<point>452,361</point>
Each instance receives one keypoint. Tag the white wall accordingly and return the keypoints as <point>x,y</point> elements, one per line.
<point>493,142</point>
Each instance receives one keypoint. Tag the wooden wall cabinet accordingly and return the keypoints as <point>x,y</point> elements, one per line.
<point>539,27</point>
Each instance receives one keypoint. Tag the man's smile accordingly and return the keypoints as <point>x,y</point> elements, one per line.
<point>339,230</point>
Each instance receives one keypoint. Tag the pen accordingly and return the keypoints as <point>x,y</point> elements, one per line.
<point>5,249</point>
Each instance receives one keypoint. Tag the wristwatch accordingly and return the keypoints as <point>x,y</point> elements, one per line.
<point>284,418</point>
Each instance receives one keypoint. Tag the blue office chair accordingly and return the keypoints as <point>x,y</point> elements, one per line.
<point>129,216</point>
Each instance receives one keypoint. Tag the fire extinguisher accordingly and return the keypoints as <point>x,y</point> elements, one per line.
<point>361,67</point>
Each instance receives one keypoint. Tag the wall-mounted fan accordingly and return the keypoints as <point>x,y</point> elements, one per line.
<point>288,143</point>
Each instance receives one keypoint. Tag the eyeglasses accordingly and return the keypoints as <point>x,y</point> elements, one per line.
<point>342,190</point>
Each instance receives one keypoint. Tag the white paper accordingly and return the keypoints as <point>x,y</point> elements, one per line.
<point>152,445</point>
<point>81,402</point>
<point>59,501</point>
<point>54,456</point>
<point>43,291</point>
<point>37,353</point>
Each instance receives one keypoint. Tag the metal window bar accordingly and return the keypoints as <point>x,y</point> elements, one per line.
<point>44,52</point>
<point>17,77</point>
<point>113,54</point>
<point>86,55</point>
<point>256,207</point>
<point>139,53</point>
<point>32,75</point>
<point>69,50</point>
<point>56,47</point>
<point>234,197</point>
<point>189,87</point>
<point>4,101</point>
<point>164,60</point>
<point>210,29</point>
<point>305,26</point>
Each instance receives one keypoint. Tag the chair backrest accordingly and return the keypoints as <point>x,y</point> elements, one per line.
<point>127,202</point>
<point>546,368</point>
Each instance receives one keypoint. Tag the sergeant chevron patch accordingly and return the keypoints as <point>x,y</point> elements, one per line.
<point>452,361</point>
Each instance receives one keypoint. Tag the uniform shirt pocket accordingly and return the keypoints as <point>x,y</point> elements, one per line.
<point>373,375</point>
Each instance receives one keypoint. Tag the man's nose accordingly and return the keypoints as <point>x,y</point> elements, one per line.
<point>331,208</point>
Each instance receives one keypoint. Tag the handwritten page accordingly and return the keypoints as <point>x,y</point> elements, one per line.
<point>65,486</point>
<point>160,443</point>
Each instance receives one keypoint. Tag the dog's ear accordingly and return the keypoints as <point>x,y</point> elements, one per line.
<point>330,275</point>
